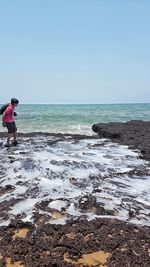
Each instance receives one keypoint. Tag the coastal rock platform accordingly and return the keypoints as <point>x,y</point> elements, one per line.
<point>74,200</point>
<point>135,134</point>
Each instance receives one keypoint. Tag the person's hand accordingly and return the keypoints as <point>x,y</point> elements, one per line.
<point>3,124</point>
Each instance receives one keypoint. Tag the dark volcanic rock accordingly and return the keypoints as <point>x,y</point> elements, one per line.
<point>60,136</point>
<point>89,204</point>
<point>64,245</point>
<point>135,134</point>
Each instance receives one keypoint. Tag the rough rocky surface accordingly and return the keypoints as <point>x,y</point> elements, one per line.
<point>58,135</point>
<point>101,242</point>
<point>135,134</point>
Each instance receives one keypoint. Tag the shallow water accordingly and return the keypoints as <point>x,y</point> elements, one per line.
<point>76,178</point>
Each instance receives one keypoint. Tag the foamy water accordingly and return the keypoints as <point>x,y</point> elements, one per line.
<point>67,173</point>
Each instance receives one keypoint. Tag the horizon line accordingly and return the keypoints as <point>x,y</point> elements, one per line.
<point>117,103</point>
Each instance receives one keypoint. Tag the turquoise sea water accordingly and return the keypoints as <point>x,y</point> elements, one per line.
<point>75,118</point>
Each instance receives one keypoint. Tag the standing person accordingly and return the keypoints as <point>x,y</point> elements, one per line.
<point>9,123</point>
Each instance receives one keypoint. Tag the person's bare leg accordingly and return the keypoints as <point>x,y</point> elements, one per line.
<point>8,139</point>
<point>15,138</point>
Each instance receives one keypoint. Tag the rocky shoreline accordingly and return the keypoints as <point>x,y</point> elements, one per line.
<point>79,242</point>
<point>135,134</point>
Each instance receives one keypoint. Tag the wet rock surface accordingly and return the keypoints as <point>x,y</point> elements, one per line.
<point>135,134</point>
<point>60,196</point>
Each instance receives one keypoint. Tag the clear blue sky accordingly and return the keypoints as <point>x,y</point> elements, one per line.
<point>75,51</point>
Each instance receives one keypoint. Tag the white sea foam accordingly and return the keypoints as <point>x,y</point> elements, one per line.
<point>68,171</point>
<point>57,204</point>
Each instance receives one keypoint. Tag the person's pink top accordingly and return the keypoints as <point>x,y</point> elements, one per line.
<point>9,114</point>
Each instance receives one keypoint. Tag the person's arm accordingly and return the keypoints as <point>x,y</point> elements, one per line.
<point>3,116</point>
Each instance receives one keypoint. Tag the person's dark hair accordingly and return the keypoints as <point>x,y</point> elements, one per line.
<point>14,101</point>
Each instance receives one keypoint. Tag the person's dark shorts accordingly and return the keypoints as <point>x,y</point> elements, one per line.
<point>11,127</point>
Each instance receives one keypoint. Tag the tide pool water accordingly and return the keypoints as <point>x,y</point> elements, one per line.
<point>75,118</point>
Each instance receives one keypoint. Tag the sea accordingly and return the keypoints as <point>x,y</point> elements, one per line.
<point>75,118</point>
